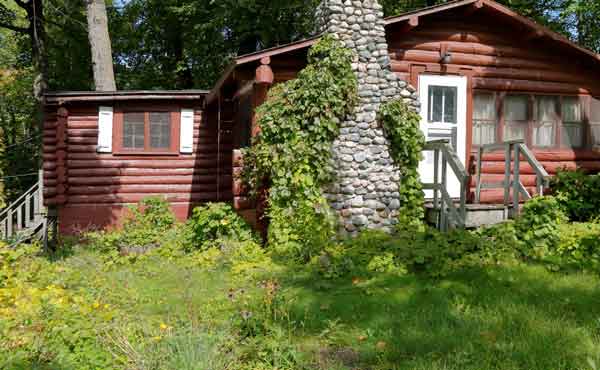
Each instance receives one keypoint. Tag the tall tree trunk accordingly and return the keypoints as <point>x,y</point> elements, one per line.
<point>104,76</point>
<point>37,32</point>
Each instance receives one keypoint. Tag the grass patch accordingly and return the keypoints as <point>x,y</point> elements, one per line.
<point>178,313</point>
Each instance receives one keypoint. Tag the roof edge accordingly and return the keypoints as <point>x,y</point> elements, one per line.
<point>73,96</point>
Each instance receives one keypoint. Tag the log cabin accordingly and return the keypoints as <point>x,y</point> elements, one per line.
<point>484,75</point>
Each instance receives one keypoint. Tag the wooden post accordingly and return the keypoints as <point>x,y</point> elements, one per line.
<point>516,180</point>
<point>507,154</point>
<point>479,169</point>
<point>436,182</point>
<point>463,200</point>
<point>443,214</point>
<point>9,228</point>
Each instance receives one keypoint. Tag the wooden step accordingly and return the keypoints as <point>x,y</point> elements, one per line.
<point>477,214</point>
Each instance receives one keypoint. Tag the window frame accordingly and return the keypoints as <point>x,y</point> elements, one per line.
<point>118,123</point>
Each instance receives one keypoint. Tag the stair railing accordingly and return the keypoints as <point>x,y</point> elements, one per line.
<point>514,150</point>
<point>451,214</point>
<point>26,214</point>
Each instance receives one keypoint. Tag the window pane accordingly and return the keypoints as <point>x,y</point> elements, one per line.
<point>450,96</point>
<point>595,113</point>
<point>442,104</point>
<point>484,106</point>
<point>435,104</point>
<point>572,135</point>
<point>572,109</point>
<point>516,108</point>
<point>545,119</point>
<point>546,109</point>
<point>543,135</point>
<point>133,130</point>
<point>484,132</point>
<point>160,130</point>
<point>515,131</point>
<point>484,118</point>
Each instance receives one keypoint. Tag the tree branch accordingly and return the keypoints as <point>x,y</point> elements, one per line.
<point>14,28</point>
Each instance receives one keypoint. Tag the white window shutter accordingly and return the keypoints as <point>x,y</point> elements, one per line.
<point>186,139</point>
<point>105,129</point>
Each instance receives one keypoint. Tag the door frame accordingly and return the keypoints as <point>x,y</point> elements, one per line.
<point>417,69</point>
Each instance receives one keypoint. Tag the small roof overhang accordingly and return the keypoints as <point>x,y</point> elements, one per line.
<point>60,97</point>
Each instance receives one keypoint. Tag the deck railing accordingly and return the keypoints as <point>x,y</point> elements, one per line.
<point>25,217</point>
<point>513,152</point>
<point>450,213</point>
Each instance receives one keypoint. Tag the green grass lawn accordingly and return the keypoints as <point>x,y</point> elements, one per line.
<point>178,313</point>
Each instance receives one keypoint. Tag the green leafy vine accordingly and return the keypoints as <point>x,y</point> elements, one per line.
<point>292,153</point>
<point>401,126</point>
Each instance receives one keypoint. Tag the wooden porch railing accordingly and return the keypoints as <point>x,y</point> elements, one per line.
<point>25,218</point>
<point>451,214</point>
<point>513,152</point>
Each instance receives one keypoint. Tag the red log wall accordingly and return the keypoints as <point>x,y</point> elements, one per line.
<point>92,190</point>
<point>496,56</point>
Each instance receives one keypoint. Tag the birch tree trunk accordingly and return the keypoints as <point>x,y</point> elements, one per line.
<point>104,77</point>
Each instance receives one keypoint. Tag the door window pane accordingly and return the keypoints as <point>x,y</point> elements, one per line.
<point>160,130</point>
<point>484,118</point>
<point>133,130</point>
<point>572,132</point>
<point>545,119</point>
<point>442,104</point>
<point>516,115</point>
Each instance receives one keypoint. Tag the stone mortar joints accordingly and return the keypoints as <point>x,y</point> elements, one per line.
<point>365,191</point>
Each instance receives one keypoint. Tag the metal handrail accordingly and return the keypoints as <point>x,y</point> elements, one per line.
<point>513,150</point>
<point>450,215</point>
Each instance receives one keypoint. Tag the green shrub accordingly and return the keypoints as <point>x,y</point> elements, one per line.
<point>578,194</point>
<point>215,222</point>
<point>579,246</point>
<point>538,226</point>
<point>424,251</point>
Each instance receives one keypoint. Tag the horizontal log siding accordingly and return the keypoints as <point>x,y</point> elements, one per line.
<point>101,186</point>
<point>499,61</point>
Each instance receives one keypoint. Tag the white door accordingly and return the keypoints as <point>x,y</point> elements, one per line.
<point>443,116</point>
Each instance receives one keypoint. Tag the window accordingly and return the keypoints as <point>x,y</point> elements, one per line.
<point>516,116</point>
<point>484,118</point>
<point>573,129</point>
<point>442,104</point>
<point>152,132</point>
<point>544,122</point>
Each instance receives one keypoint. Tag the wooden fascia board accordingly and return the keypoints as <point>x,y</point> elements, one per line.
<point>427,11</point>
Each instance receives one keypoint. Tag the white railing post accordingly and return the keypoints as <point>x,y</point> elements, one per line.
<point>516,180</point>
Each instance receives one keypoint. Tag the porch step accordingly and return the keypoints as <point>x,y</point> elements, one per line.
<point>477,214</point>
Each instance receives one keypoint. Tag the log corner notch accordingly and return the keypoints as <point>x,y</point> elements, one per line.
<point>472,8</point>
<point>263,79</point>
<point>61,156</point>
<point>410,24</point>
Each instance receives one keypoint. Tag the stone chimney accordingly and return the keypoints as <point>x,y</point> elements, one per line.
<point>365,192</point>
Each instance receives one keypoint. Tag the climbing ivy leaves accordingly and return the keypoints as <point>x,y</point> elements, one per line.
<point>401,126</point>
<point>292,154</point>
